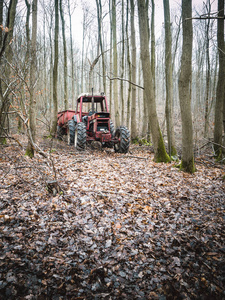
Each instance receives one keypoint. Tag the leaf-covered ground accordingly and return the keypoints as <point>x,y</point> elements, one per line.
<point>123,228</point>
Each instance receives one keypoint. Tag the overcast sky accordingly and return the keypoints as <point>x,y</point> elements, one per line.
<point>175,5</point>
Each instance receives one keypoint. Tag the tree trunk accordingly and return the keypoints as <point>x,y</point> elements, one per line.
<point>206,129</point>
<point>218,129</point>
<point>110,59</point>
<point>72,59</point>
<point>33,77</point>
<point>153,44</point>
<point>6,48</point>
<point>187,162</point>
<point>115,68</point>
<point>82,57</point>
<point>133,74</point>
<point>65,57</point>
<point>1,21</point>
<point>55,70</point>
<point>160,154</point>
<point>122,68</point>
<point>129,67</point>
<point>169,80</point>
<point>99,11</point>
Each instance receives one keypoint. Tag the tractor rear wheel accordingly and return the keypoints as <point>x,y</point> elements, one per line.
<point>123,135</point>
<point>80,137</point>
<point>71,132</point>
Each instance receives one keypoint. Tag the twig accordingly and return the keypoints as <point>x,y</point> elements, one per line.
<point>214,143</point>
<point>78,161</point>
<point>132,156</point>
<point>110,192</point>
<point>123,79</point>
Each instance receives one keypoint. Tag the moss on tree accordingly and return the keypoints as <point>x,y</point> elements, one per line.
<point>160,152</point>
<point>3,141</point>
<point>188,166</point>
<point>29,152</point>
<point>173,151</point>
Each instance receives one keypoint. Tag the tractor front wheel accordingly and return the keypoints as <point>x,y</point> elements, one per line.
<point>123,136</point>
<point>112,131</point>
<point>80,137</point>
<point>71,132</point>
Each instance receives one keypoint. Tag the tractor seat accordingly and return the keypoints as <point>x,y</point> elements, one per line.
<point>84,120</point>
<point>91,113</point>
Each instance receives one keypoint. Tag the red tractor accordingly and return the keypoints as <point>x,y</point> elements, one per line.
<point>91,122</point>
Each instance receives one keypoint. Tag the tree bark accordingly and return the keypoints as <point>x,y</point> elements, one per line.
<point>65,57</point>
<point>115,67</point>
<point>185,79</point>
<point>6,49</point>
<point>218,129</point>
<point>129,66</point>
<point>99,11</point>
<point>33,77</point>
<point>72,58</point>
<point>206,129</point>
<point>133,74</point>
<point>55,70</point>
<point>169,80</point>
<point>122,67</point>
<point>1,21</point>
<point>110,58</point>
<point>153,44</point>
<point>160,154</point>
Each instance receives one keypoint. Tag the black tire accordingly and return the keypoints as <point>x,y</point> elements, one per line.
<point>80,137</point>
<point>123,134</point>
<point>112,131</point>
<point>60,132</point>
<point>71,132</point>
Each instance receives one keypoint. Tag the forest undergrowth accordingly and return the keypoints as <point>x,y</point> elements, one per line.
<point>119,227</point>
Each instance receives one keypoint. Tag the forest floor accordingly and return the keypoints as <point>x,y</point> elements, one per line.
<point>120,226</point>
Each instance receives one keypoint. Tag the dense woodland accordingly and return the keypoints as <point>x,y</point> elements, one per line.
<point>179,70</point>
<point>148,224</point>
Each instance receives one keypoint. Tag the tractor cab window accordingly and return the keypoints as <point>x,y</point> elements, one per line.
<point>99,105</point>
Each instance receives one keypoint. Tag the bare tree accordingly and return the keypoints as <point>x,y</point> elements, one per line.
<point>218,129</point>
<point>169,80</point>
<point>185,78</point>
<point>129,65</point>
<point>1,21</point>
<point>99,11</point>
<point>71,55</point>
<point>7,51</point>
<point>122,67</point>
<point>160,154</point>
<point>65,57</point>
<point>55,70</point>
<point>207,25</point>
<point>133,73</point>
<point>115,65</point>
<point>153,42</point>
<point>33,78</point>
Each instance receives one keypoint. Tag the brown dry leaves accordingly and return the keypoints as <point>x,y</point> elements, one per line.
<point>124,228</point>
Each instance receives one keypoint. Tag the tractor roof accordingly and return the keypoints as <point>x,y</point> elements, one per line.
<point>88,97</point>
